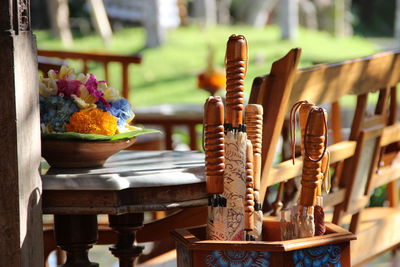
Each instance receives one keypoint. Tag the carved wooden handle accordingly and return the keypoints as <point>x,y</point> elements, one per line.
<point>314,148</point>
<point>214,144</point>
<point>303,115</point>
<point>236,61</point>
<point>254,126</point>
<point>249,198</point>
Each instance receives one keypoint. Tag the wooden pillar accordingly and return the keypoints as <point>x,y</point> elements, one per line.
<point>21,233</point>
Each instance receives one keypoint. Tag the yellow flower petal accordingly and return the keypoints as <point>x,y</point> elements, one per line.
<point>81,103</point>
<point>109,93</point>
<point>86,96</point>
<point>65,72</point>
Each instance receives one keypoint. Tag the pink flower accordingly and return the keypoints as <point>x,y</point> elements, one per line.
<point>91,86</point>
<point>67,88</point>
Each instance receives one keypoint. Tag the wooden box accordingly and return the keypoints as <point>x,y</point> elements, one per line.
<point>331,249</point>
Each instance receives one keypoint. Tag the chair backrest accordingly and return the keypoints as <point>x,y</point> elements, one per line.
<point>328,83</point>
<point>102,58</point>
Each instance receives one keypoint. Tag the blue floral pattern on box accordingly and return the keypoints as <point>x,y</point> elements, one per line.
<point>236,258</point>
<point>322,256</point>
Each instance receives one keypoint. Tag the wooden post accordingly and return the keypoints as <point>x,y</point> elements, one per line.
<point>21,242</point>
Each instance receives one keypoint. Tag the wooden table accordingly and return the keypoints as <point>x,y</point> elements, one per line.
<point>130,183</point>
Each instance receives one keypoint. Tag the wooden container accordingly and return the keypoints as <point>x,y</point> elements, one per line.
<point>331,249</point>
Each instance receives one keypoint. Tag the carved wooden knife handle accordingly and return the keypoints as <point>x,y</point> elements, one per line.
<point>304,110</point>
<point>249,197</point>
<point>214,144</point>
<point>236,63</point>
<point>254,126</point>
<point>314,149</point>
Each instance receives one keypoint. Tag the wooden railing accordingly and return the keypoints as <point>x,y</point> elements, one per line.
<point>103,58</point>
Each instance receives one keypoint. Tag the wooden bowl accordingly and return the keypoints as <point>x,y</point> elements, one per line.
<point>80,153</point>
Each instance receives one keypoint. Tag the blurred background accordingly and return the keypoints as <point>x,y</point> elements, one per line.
<point>174,36</point>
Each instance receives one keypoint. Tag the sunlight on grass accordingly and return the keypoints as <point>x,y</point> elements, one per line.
<point>168,74</point>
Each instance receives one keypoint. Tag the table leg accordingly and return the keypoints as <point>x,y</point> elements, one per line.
<point>126,226</point>
<point>76,234</point>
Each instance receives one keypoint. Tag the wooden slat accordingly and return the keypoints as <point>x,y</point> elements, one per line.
<point>95,56</point>
<point>391,134</point>
<point>357,205</point>
<point>326,83</point>
<point>286,170</point>
<point>386,175</point>
<point>334,198</point>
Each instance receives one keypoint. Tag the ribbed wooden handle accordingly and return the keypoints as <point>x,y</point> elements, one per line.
<point>254,126</point>
<point>214,144</point>
<point>236,61</point>
<point>314,148</point>
<point>303,115</point>
<point>249,198</point>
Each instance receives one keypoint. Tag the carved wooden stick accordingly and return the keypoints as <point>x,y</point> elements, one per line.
<point>254,125</point>
<point>303,115</point>
<point>249,198</point>
<point>236,61</point>
<point>214,144</point>
<point>314,145</point>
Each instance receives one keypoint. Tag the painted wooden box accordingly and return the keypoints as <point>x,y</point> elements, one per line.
<point>331,249</point>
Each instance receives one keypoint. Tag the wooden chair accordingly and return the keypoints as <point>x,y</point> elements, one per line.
<point>356,158</point>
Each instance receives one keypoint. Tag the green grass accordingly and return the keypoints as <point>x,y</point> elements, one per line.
<point>168,74</point>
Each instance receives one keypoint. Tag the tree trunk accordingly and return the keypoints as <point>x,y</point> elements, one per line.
<point>59,20</point>
<point>100,20</point>
<point>288,19</point>
<point>155,32</point>
<point>308,14</point>
<point>223,12</point>
<point>397,22</point>
<point>256,12</point>
<point>205,11</point>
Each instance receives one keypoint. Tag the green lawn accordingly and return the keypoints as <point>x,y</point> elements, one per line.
<point>168,74</point>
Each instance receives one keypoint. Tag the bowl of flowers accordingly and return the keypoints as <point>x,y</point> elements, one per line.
<point>83,121</point>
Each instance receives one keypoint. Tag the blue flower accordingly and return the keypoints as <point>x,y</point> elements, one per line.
<point>317,256</point>
<point>120,109</point>
<point>55,112</point>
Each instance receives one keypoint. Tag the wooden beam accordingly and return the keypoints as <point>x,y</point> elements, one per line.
<point>21,242</point>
